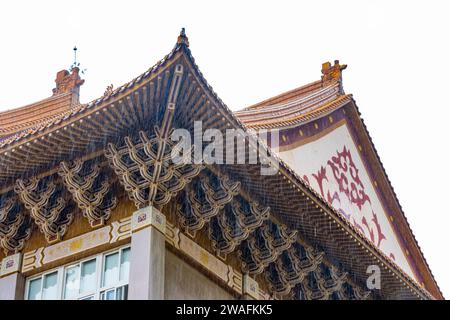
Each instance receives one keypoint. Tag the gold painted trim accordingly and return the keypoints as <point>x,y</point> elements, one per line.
<point>43,256</point>
<point>312,138</point>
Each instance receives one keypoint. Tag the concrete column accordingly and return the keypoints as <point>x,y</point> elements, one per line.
<point>147,264</point>
<point>12,283</point>
<point>250,288</point>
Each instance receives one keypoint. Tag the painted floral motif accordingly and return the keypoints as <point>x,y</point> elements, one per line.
<point>339,183</point>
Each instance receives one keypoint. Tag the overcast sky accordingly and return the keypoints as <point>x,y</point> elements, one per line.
<point>397,56</point>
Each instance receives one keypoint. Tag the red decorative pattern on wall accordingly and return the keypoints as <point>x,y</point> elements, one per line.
<point>339,183</point>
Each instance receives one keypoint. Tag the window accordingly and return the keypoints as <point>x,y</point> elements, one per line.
<point>116,268</point>
<point>44,287</point>
<point>49,286</point>
<point>104,277</point>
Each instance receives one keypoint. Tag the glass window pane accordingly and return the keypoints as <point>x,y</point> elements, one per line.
<point>122,293</point>
<point>108,295</point>
<point>49,290</point>
<point>34,289</point>
<point>125,264</point>
<point>88,278</point>
<point>111,269</point>
<point>71,285</point>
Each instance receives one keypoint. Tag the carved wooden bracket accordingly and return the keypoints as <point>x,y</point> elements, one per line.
<point>15,225</point>
<point>351,292</point>
<point>144,165</point>
<point>327,282</point>
<point>49,204</point>
<point>238,221</point>
<point>91,188</point>
<point>203,200</point>
<point>150,178</point>
<point>292,266</point>
<point>264,246</point>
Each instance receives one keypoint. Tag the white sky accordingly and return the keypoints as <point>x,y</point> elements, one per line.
<point>397,70</point>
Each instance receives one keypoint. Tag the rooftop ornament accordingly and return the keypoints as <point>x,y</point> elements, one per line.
<point>332,73</point>
<point>182,38</point>
<point>69,81</point>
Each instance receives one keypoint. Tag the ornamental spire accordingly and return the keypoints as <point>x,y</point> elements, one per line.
<point>332,73</point>
<point>182,38</point>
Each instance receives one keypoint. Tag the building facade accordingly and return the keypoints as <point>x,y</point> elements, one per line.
<point>93,205</point>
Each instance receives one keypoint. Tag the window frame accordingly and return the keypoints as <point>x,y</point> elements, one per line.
<point>118,283</point>
<point>99,275</point>
<point>42,276</point>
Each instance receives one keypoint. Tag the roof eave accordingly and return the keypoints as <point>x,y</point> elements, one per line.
<point>344,224</point>
<point>411,239</point>
<point>287,174</point>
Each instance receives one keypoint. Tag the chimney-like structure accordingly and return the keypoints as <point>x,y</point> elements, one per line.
<point>69,82</point>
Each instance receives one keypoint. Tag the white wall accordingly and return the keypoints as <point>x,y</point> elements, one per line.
<point>334,160</point>
<point>185,282</point>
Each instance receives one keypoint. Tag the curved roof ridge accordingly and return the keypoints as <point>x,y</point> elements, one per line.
<point>287,104</point>
<point>285,96</point>
<point>10,137</point>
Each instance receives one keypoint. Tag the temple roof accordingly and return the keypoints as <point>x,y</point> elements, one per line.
<point>288,96</point>
<point>27,119</point>
<point>63,134</point>
<point>299,105</point>
<point>290,109</point>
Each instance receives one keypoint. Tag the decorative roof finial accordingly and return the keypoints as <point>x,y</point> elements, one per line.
<point>70,81</point>
<point>75,64</point>
<point>75,54</point>
<point>182,38</point>
<point>109,90</point>
<point>332,73</point>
